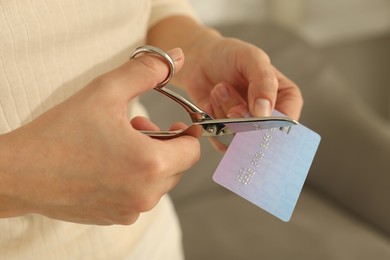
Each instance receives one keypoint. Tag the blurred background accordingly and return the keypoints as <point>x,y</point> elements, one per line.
<point>338,52</point>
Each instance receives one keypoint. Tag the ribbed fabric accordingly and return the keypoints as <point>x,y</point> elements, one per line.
<point>156,235</point>
<point>49,49</point>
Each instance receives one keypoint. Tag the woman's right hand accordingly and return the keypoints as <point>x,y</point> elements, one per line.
<point>83,161</point>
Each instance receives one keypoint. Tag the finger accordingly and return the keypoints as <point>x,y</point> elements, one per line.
<point>216,108</point>
<point>178,126</point>
<point>263,84</point>
<point>179,153</point>
<point>229,101</point>
<point>195,131</point>
<point>139,74</point>
<point>289,100</point>
<point>142,123</point>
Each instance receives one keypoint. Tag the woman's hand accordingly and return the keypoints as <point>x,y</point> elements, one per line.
<point>215,65</point>
<point>231,78</point>
<point>84,162</point>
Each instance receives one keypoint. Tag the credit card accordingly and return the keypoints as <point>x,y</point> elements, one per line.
<point>269,167</point>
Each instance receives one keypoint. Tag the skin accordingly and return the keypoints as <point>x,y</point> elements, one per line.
<point>227,77</point>
<point>212,59</point>
<point>81,161</point>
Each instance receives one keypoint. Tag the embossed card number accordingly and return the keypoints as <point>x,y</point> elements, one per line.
<point>269,167</point>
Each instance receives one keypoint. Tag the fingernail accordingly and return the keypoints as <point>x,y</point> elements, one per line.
<point>234,115</point>
<point>247,115</point>
<point>238,111</point>
<point>175,54</point>
<point>223,92</point>
<point>262,107</point>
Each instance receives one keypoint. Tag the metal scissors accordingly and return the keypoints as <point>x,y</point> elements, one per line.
<point>201,121</point>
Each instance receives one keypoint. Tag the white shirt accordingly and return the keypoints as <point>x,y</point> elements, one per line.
<point>48,50</point>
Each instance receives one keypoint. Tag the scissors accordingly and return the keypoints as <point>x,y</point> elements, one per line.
<point>201,121</point>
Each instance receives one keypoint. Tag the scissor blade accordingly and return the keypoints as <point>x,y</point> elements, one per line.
<point>217,127</point>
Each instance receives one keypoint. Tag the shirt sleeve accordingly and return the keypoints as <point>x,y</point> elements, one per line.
<point>162,9</point>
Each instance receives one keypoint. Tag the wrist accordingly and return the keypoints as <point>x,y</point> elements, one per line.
<point>179,31</point>
<point>197,53</point>
<point>10,204</point>
<point>190,36</point>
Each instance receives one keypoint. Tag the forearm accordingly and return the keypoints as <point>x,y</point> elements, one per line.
<point>9,206</point>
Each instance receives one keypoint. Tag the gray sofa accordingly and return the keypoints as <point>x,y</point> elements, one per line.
<point>344,210</point>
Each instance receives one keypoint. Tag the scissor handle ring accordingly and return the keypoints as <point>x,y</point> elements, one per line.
<point>161,53</point>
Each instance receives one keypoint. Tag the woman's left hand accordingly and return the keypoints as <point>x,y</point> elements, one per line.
<point>231,78</point>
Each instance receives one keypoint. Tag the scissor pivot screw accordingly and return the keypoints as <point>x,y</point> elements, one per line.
<point>210,130</point>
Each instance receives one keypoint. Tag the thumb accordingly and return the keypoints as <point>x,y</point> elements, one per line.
<point>141,74</point>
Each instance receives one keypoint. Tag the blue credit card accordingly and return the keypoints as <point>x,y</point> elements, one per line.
<point>269,167</point>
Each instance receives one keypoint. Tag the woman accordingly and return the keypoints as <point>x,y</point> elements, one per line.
<point>71,164</point>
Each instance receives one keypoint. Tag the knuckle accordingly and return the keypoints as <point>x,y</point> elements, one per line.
<point>155,168</point>
<point>129,214</point>
<point>263,55</point>
<point>153,67</point>
<point>150,62</point>
<point>267,80</point>
<point>254,51</point>
<point>299,95</point>
<point>269,75</point>
<point>128,219</point>
<point>299,99</point>
<point>147,202</point>
<point>266,57</point>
